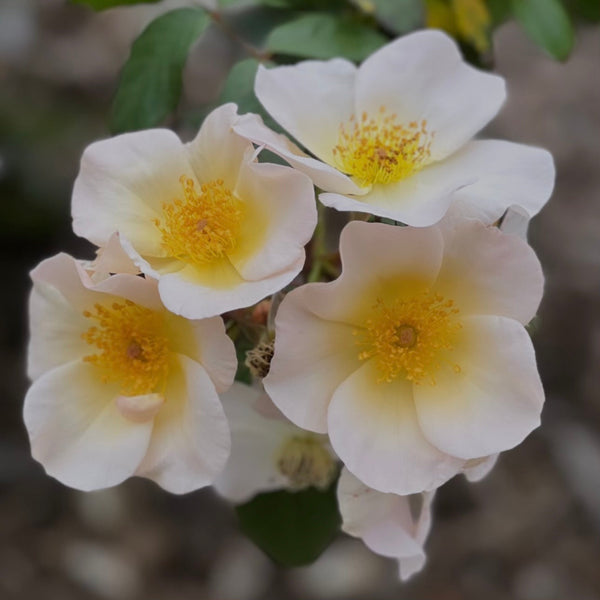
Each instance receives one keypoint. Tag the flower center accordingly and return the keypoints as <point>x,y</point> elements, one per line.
<point>410,338</point>
<point>133,350</point>
<point>305,462</point>
<point>381,150</point>
<point>202,227</point>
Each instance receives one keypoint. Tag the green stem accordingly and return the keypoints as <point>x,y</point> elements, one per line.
<point>318,246</point>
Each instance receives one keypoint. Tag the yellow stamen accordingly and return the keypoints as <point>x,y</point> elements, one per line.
<point>306,462</point>
<point>203,227</point>
<point>133,349</point>
<point>381,150</point>
<point>410,338</point>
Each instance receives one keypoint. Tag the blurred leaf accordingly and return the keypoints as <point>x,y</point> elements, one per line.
<point>293,528</point>
<point>547,23</point>
<point>104,4</point>
<point>473,21</point>
<point>323,35</point>
<point>150,83</point>
<point>588,10</point>
<point>239,88</point>
<point>439,15</point>
<point>399,16</point>
<point>500,11</point>
<point>254,23</point>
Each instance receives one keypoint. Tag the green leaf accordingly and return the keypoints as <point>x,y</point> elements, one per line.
<point>293,528</point>
<point>588,10</point>
<point>500,11</point>
<point>239,88</point>
<point>104,4</point>
<point>254,23</point>
<point>323,35</point>
<point>399,16</point>
<point>547,23</point>
<point>150,83</point>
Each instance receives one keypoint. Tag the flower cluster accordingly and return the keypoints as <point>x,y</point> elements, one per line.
<point>388,367</point>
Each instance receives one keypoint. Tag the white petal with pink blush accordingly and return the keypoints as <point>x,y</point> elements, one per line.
<point>219,230</point>
<point>390,525</point>
<point>392,137</point>
<point>416,363</point>
<point>121,386</point>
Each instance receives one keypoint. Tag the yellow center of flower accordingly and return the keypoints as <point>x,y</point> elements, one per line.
<point>381,150</point>
<point>132,348</point>
<point>203,227</point>
<point>410,338</point>
<point>305,463</point>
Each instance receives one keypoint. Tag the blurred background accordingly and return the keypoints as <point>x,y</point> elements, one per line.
<point>529,531</point>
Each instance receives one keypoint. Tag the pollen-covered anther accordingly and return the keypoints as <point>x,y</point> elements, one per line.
<point>306,462</point>
<point>204,226</point>
<point>379,149</point>
<point>410,338</point>
<point>258,359</point>
<point>133,350</point>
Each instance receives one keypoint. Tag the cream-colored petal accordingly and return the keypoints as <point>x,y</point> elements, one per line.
<point>123,183</point>
<point>113,259</point>
<point>374,429</point>
<point>379,262</point>
<point>62,291</point>
<point>493,401</point>
<point>422,76</point>
<point>188,293</point>
<point>312,357</point>
<point>217,152</point>
<point>205,341</point>
<point>55,330</point>
<point>310,100</point>
<point>284,201</point>
<point>478,468</point>
<point>386,522</point>
<point>255,444</point>
<point>141,408</point>
<point>322,175</point>
<point>488,272</point>
<point>78,433</point>
<point>507,174</point>
<point>190,441</point>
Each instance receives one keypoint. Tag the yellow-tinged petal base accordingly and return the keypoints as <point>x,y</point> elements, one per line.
<point>410,337</point>
<point>380,149</point>
<point>133,350</point>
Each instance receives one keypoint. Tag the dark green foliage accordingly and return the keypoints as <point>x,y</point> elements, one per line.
<point>104,4</point>
<point>399,16</point>
<point>325,35</point>
<point>293,528</point>
<point>150,84</point>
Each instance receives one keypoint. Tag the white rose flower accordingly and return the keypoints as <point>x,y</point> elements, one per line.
<point>219,230</point>
<point>393,137</point>
<point>121,386</point>
<point>415,360</point>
